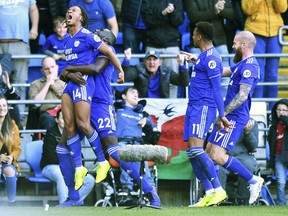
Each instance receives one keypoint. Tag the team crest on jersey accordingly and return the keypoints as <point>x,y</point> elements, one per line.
<point>247,73</point>
<point>212,64</point>
<point>76,43</point>
<point>96,38</point>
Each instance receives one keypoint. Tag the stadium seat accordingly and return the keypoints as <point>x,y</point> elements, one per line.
<point>185,41</point>
<point>184,28</point>
<point>119,46</point>
<point>33,154</point>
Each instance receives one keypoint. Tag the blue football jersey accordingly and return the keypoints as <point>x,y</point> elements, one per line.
<point>207,66</point>
<point>80,48</point>
<point>103,90</point>
<point>245,72</point>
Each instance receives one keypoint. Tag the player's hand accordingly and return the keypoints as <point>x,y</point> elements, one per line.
<point>223,123</point>
<point>189,56</point>
<point>120,79</point>
<point>77,78</point>
<point>181,59</point>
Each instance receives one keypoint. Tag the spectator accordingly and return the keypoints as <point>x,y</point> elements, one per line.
<point>50,163</point>
<point>48,11</point>
<point>151,78</point>
<point>244,149</point>
<point>235,24</point>
<point>10,150</point>
<point>10,93</point>
<point>277,139</point>
<point>264,20</point>
<point>215,12</point>
<point>100,13</point>
<point>162,21</point>
<point>15,35</point>
<point>49,87</point>
<point>54,45</point>
<point>134,29</point>
<point>130,121</point>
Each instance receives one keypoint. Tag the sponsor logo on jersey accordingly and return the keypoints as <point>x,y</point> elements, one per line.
<point>96,38</point>
<point>212,64</point>
<point>76,43</point>
<point>247,73</point>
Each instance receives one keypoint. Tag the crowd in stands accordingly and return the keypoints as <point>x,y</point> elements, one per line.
<point>147,27</point>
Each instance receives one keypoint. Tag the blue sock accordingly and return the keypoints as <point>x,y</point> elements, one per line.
<point>96,145</point>
<point>200,175</point>
<point>11,182</point>
<point>236,167</point>
<point>129,167</point>
<point>68,171</point>
<point>207,165</point>
<point>74,144</point>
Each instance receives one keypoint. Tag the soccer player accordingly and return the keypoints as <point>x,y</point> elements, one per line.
<point>102,109</point>
<point>80,50</point>
<point>205,98</point>
<point>244,78</point>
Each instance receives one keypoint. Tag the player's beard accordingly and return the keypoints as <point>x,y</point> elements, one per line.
<point>238,56</point>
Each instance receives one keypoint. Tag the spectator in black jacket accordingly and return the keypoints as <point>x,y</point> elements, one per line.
<point>162,19</point>
<point>51,169</point>
<point>278,145</point>
<point>151,79</point>
<point>49,161</point>
<point>10,93</point>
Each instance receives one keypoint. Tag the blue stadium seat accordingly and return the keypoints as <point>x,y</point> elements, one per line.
<point>33,154</point>
<point>184,28</point>
<point>119,46</point>
<point>185,41</point>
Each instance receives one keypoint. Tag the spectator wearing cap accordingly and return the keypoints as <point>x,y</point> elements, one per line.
<point>151,78</point>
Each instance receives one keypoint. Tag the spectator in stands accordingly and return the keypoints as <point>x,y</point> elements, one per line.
<point>215,12</point>
<point>10,150</point>
<point>48,11</point>
<point>50,163</point>
<point>162,21</point>
<point>131,119</point>
<point>243,151</point>
<point>101,14</point>
<point>134,29</point>
<point>49,87</point>
<point>15,35</point>
<point>277,139</point>
<point>264,20</point>
<point>54,45</point>
<point>151,78</point>
<point>10,93</point>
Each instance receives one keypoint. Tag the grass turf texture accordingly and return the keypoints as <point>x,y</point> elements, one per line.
<point>164,211</point>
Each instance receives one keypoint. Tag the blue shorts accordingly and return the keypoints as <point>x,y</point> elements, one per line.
<point>227,140</point>
<point>198,121</point>
<point>81,93</point>
<point>102,119</point>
